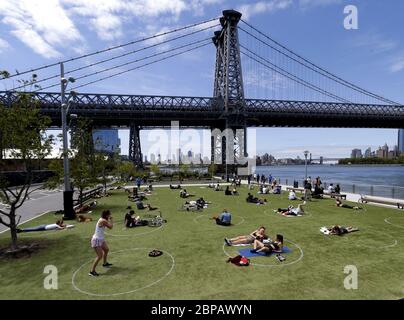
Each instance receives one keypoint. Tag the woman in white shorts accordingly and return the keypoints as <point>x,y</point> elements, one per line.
<point>98,241</point>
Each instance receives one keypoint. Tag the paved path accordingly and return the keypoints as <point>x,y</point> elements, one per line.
<point>40,201</point>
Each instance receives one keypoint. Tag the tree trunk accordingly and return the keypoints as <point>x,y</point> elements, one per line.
<point>13,229</point>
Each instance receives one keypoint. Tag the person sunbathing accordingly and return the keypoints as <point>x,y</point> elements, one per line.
<point>270,246</point>
<point>59,225</point>
<point>341,230</point>
<point>339,204</point>
<point>185,194</point>
<point>175,187</point>
<point>86,207</point>
<point>141,206</point>
<point>292,211</point>
<point>258,234</point>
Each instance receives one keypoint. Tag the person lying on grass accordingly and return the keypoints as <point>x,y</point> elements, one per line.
<point>59,225</point>
<point>270,246</point>
<point>175,187</point>
<point>292,211</point>
<point>339,204</point>
<point>251,199</point>
<point>224,219</point>
<point>341,230</point>
<point>258,234</point>
<point>132,222</point>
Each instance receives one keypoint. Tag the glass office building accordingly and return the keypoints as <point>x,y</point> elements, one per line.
<point>107,140</point>
<point>400,141</point>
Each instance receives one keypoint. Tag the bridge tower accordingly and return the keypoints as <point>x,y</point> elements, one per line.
<point>229,91</point>
<point>135,151</point>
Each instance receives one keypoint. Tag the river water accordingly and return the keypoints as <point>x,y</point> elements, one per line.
<point>379,180</point>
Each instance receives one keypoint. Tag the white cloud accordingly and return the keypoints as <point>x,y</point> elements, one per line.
<point>41,25</point>
<point>397,64</point>
<point>376,42</point>
<point>249,10</point>
<point>3,45</point>
<point>314,3</point>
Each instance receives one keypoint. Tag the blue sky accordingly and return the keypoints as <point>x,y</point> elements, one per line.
<point>39,32</point>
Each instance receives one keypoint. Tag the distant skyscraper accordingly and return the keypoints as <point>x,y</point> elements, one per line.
<point>356,153</point>
<point>401,141</point>
<point>368,153</point>
<point>106,140</point>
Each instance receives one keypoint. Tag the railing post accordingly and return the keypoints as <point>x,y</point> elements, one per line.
<point>371,190</point>
<point>392,193</point>
<point>353,188</point>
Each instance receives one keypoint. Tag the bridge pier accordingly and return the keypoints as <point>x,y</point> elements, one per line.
<point>135,151</point>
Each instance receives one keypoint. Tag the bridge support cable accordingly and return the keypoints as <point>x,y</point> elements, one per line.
<point>337,83</point>
<point>132,52</point>
<point>120,46</point>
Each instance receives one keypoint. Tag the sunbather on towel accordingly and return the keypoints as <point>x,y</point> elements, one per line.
<point>59,225</point>
<point>341,230</point>
<point>258,234</point>
<point>269,247</point>
<point>338,203</point>
<point>291,211</point>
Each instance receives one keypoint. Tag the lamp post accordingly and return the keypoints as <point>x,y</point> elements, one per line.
<point>68,211</point>
<point>306,153</point>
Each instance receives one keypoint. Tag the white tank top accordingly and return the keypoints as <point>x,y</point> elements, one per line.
<point>99,231</point>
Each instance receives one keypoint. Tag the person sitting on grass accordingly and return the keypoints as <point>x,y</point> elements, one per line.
<point>234,192</point>
<point>131,222</point>
<point>340,230</point>
<point>227,192</point>
<point>291,211</point>
<point>270,246</point>
<point>59,225</point>
<point>339,204</point>
<point>258,234</point>
<point>224,219</point>
<point>218,187</point>
<point>175,187</point>
<point>141,206</point>
<point>292,195</point>
<point>252,199</point>
<point>185,194</point>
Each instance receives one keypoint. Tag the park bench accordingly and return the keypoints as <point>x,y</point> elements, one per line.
<point>295,189</point>
<point>335,195</point>
<point>393,202</point>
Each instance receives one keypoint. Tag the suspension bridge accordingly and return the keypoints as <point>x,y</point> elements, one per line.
<point>275,87</point>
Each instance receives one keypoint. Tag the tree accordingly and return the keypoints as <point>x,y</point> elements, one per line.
<point>83,172</point>
<point>23,137</point>
<point>155,169</point>
<point>105,166</point>
<point>126,169</point>
<point>212,169</point>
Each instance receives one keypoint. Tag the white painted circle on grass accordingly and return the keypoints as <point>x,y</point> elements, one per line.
<point>154,229</point>
<point>75,286</point>
<point>395,225</point>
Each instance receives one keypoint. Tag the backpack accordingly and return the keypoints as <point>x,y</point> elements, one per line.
<point>239,261</point>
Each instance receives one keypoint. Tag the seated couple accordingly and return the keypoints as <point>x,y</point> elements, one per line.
<point>291,211</point>
<point>258,234</point>
<point>233,192</point>
<point>132,222</point>
<point>338,203</point>
<point>216,186</point>
<point>196,204</point>
<point>175,187</point>
<point>269,246</point>
<point>59,225</point>
<point>224,219</point>
<point>263,189</point>
<point>340,230</point>
<point>251,199</point>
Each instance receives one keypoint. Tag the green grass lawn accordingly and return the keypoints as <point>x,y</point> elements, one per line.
<point>193,264</point>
